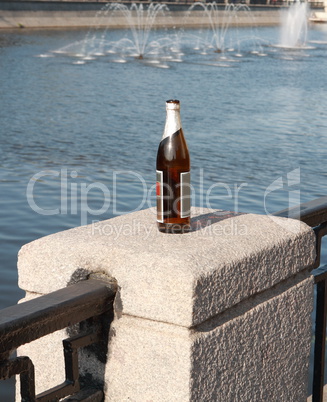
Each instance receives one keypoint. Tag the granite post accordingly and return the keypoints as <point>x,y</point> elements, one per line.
<point>219,314</point>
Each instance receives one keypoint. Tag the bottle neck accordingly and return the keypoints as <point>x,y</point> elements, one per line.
<point>173,123</point>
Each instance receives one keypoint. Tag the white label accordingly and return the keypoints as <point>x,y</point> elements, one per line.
<point>159,192</point>
<point>185,194</point>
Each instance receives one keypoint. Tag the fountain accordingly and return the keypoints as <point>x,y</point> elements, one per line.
<point>141,22</point>
<point>294,28</point>
<point>216,32</point>
<point>137,43</point>
<point>219,20</point>
<point>206,33</point>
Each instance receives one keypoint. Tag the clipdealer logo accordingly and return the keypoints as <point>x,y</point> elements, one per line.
<point>76,197</point>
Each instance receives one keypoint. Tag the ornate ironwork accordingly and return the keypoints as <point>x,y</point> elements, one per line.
<point>87,303</point>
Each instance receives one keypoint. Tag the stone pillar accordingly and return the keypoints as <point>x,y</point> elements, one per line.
<point>218,314</point>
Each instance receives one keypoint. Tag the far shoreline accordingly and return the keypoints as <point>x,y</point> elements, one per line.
<point>80,15</point>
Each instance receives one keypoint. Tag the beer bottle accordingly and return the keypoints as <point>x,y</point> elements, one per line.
<point>173,175</point>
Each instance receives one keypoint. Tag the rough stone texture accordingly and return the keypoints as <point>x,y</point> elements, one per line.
<point>253,353</point>
<point>180,279</point>
<point>219,314</point>
<point>256,351</point>
<point>148,361</point>
<point>262,355</point>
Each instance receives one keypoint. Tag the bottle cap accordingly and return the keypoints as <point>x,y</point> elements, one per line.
<point>172,104</point>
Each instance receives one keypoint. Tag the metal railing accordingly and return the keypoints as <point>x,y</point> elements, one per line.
<point>86,305</point>
<point>314,214</point>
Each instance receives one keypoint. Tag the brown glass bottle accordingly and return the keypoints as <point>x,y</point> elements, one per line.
<point>173,175</point>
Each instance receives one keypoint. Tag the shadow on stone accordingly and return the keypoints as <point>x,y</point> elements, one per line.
<point>203,221</point>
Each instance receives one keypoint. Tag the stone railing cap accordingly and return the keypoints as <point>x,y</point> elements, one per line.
<point>180,279</point>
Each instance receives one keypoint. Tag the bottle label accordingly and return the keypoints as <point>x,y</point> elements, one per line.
<point>160,198</point>
<point>173,196</point>
<point>185,194</point>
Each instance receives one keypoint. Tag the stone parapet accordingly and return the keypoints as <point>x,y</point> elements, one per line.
<point>183,280</point>
<point>222,313</point>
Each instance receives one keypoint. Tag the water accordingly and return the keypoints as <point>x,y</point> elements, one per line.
<point>66,127</point>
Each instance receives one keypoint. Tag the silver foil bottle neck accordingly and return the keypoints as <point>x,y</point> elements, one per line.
<point>173,118</point>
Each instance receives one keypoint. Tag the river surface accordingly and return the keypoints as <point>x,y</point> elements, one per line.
<point>79,135</point>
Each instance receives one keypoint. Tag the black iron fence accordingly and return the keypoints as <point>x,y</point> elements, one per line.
<point>88,307</point>
<point>314,214</point>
